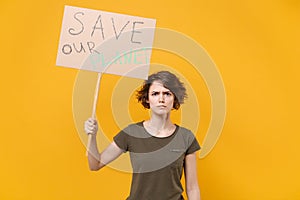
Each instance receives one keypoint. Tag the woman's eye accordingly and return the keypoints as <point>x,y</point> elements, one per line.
<point>164,93</point>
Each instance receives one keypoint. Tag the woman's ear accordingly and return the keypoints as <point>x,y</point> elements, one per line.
<point>146,98</point>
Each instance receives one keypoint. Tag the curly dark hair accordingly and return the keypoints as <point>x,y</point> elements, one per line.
<point>169,81</point>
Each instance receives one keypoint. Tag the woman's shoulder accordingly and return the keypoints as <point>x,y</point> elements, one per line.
<point>186,133</point>
<point>184,130</point>
<point>134,126</point>
<point>134,129</point>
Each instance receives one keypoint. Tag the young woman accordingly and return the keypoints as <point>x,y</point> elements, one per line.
<point>159,149</point>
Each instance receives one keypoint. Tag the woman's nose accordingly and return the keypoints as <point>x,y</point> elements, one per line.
<point>161,98</point>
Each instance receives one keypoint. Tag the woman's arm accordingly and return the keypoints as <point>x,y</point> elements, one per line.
<point>191,180</point>
<point>98,160</point>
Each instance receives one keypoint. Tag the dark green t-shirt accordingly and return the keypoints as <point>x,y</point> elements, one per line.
<point>157,163</point>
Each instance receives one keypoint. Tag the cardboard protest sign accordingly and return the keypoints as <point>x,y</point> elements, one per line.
<point>105,42</point>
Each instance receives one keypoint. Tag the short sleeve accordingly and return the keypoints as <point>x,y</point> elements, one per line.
<point>121,139</point>
<point>194,146</point>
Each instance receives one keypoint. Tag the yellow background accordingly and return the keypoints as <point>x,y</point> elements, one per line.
<point>255,45</point>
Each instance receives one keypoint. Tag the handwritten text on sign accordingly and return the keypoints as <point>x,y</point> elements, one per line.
<point>105,42</point>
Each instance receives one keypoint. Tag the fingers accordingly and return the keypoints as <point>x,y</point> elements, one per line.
<point>91,121</point>
<point>91,126</point>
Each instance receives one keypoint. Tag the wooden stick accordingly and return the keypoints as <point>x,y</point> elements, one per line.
<point>96,95</point>
<point>94,108</point>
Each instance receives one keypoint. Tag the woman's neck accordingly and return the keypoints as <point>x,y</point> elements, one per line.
<point>160,125</point>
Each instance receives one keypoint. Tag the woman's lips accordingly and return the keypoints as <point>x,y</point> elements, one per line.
<point>162,106</point>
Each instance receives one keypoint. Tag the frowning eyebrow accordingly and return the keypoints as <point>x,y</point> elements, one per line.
<point>166,91</point>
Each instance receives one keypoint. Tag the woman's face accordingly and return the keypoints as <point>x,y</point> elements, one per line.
<point>160,98</point>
